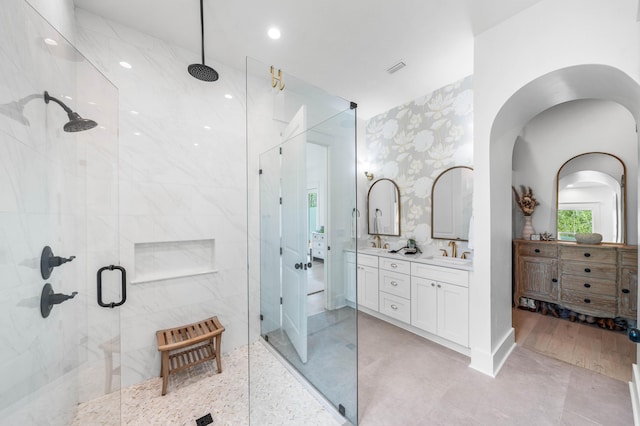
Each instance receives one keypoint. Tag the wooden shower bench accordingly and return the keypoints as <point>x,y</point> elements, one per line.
<point>188,345</point>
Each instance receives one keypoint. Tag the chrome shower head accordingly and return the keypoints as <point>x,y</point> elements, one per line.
<point>76,123</point>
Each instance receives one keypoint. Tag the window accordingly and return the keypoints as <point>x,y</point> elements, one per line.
<point>571,222</point>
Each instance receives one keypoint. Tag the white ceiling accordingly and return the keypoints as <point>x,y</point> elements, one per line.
<point>343,46</point>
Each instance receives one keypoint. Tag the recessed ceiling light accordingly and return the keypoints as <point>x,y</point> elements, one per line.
<point>126,65</point>
<point>228,96</point>
<point>195,144</point>
<point>50,42</point>
<point>274,33</point>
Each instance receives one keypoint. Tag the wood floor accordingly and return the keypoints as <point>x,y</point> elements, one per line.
<point>603,351</point>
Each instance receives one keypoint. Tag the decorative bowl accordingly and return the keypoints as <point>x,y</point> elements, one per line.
<point>592,238</point>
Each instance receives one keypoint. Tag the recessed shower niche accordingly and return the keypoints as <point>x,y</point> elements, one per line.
<point>157,261</point>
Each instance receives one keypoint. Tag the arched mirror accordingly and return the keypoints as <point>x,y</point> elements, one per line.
<point>383,205</point>
<point>451,204</point>
<point>591,197</point>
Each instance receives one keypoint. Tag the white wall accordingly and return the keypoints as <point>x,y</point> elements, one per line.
<point>542,39</point>
<point>562,132</point>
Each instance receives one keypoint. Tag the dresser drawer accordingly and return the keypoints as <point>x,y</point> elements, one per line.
<point>588,303</point>
<point>587,269</point>
<point>588,254</point>
<point>367,260</point>
<point>395,307</point>
<point>589,285</point>
<point>402,266</point>
<point>395,283</point>
<point>538,249</point>
<point>317,237</point>
<point>628,257</point>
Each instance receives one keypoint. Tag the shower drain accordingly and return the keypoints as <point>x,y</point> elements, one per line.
<point>204,420</point>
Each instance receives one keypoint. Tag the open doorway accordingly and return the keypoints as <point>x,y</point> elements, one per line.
<point>571,299</point>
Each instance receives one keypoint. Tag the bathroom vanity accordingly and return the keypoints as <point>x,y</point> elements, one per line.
<point>426,296</point>
<point>599,280</point>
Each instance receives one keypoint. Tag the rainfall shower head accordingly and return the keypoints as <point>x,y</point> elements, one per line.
<point>76,123</point>
<point>202,71</point>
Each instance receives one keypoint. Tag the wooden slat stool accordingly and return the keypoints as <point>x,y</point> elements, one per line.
<point>188,345</point>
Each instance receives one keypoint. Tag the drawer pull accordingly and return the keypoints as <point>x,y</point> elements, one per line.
<point>393,283</point>
<point>393,265</point>
<point>587,285</point>
<point>439,286</point>
<point>555,280</point>
<point>587,300</point>
<point>395,307</point>
<point>587,270</point>
<point>626,291</point>
<point>433,285</point>
<point>537,250</point>
<point>587,255</point>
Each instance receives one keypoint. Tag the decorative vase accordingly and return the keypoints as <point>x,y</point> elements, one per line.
<point>528,230</point>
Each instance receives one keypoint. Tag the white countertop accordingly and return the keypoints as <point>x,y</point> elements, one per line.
<point>447,262</point>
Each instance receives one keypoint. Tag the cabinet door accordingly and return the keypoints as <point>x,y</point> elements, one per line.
<point>453,313</point>
<point>350,281</point>
<point>424,304</point>
<point>538,278</point>
<point>628,297</point>
<point>368,287</point>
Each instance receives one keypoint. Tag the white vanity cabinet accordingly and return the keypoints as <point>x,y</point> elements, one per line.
<point>395,288</point>
<point>440,302</point>
<point>367,271</point>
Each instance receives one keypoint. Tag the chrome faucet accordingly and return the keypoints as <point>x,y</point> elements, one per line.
<point>454,249</point>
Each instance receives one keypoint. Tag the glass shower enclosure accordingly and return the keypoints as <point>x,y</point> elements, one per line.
<point>58,199</point>
<point>302,146</point>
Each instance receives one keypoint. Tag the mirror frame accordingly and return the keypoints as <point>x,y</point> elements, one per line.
<point>624,192</point>
<point>399,208</point>
<point>433,187</point>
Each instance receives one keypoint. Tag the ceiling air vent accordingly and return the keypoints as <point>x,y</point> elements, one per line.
<point>396,67</point>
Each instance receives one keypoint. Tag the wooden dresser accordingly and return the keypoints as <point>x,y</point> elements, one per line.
<point>599,280</point>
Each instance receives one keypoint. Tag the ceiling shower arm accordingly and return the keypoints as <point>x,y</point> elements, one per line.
<point>202,30</point>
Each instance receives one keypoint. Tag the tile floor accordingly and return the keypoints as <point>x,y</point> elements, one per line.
<point>407,380</point>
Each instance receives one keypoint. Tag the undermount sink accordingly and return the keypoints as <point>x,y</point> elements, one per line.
<point>373,250</point>
<point>451,260</point>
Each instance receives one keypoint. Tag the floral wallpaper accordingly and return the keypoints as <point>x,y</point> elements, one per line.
<point>415,142</point>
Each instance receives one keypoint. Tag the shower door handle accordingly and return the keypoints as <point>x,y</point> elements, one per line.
<point>123,277</point>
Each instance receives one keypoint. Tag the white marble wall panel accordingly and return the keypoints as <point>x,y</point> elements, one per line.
<point>182,177</point>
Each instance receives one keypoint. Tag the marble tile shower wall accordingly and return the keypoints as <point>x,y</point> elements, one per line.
<point>411,145</point>
<point>43,175</point>
<point>182,178</point>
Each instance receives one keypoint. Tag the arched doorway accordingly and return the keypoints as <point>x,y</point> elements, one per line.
<point>588,81</point>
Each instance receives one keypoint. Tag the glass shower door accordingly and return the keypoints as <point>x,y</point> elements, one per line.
<point>306,315</point>
<point>58,224</point>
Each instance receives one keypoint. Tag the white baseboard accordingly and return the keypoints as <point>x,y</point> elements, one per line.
<point>634,390</point>
<point>491,363</point>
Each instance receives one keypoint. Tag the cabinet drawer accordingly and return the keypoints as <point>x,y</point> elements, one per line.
<point>588,303</point>
<point>395,307</point>
<point>402,266</point>
<point>538,249</point>
<point>367,260</point>
<point>588,269</point>
<point>437,273</point>
<point>318,237</point>
<point>588,254</point>
<point>395,283</point>
<point>628,257</point>
<point>589,285</point>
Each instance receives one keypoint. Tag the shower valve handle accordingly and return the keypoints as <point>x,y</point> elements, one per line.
<point>57,260</point>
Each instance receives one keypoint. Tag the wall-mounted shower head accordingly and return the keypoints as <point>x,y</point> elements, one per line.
<point>76,123</point>
<point>202,71</point>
